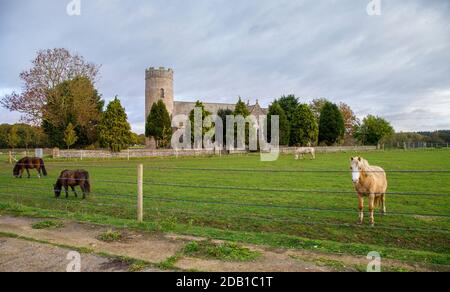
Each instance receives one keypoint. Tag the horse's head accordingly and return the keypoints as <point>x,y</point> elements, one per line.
<point>356,166</point>
<point>57,188</point>
<point>16,170</point>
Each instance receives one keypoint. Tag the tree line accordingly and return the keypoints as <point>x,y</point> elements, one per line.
<point>320,122</point>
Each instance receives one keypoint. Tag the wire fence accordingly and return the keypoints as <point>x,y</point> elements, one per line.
<point>127,201</point>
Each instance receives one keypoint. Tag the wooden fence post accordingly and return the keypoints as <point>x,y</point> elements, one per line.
<point>140,196</point>
<point>10,157</point>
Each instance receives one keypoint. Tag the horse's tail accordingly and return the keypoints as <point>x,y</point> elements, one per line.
<point>378,200</point>
<point>44,171</point>
<point>87,184</point>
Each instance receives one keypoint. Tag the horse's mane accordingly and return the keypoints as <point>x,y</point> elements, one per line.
<point>364,163</point>
<point>369,169</point>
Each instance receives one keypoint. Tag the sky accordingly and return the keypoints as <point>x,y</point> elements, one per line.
<point>395,65</point>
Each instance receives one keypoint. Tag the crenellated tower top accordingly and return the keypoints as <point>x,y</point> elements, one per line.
<point>160,72</point>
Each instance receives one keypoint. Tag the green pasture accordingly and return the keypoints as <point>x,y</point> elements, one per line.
<point>299,204</point>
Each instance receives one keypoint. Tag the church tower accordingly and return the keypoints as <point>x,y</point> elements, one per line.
<point>158,86</point>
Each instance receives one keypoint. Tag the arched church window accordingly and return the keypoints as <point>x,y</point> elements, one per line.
<point>162,93</point>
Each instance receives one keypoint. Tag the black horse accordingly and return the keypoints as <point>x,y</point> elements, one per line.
<point>69,178</point>
<point>28,163</point>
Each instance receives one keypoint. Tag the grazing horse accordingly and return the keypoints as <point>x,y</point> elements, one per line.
<point>300,152</point>
<point>28,163</point>
<point>369,181</point>
<point>69,178</point>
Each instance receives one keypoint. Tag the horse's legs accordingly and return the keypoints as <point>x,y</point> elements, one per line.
<point>74,191</point>
<point>371,208</point>
<point>383,204</point>
<point>39,172</point>
<point>361,208</point>
<point>66,188</point>
<point>28,172</point>
<point>83,189</point>
<point>21,173</point>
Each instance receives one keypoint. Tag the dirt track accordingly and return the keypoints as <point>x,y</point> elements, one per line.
<point>24,256</point>
<point>40,250</point>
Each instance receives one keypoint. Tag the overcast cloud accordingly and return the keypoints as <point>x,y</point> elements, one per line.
<point>396,65</point>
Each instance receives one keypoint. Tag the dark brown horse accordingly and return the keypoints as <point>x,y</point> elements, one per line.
<point>69,178</point>
<point>28,163</point>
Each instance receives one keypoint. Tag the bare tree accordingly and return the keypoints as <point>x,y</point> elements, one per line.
<point>50,68</point>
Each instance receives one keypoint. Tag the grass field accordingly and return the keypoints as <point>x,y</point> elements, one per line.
<point>239,198</point>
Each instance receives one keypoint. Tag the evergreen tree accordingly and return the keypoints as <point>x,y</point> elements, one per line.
<point>304,129</point>
<point>289,104</point>
<point>276,110</point>
<point>70,136</point>
<point>159,125</point>
<point>331,125</point>
<point>114,129</point>
<point>241,109</point>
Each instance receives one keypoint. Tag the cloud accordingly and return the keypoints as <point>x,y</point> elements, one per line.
<point>262,49</point>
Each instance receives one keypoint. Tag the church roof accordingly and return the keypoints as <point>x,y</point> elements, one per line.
<point>184,108</point>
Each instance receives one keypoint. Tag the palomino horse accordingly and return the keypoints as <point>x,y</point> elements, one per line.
<point>300,152</point>
<point>369,181</point>
<point>28,163</point>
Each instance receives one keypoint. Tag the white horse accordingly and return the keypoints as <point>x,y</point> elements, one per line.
<point>300,152</point>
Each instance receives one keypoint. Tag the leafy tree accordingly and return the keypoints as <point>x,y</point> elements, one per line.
<point>50,68</point>
<point>289,104</point>
<point>114,129</point>
<point>13,137</point>
<point>304,129</point>
<point>276,110</point>
<point>331,125</point>
<point>137,139</point>
<point>316,107</point>
<point>373,129</point>
<point>70,136</point>
<point>351,122</point>
<point>159,125</point>
<point>28,136</point>
<point>74,101</point>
